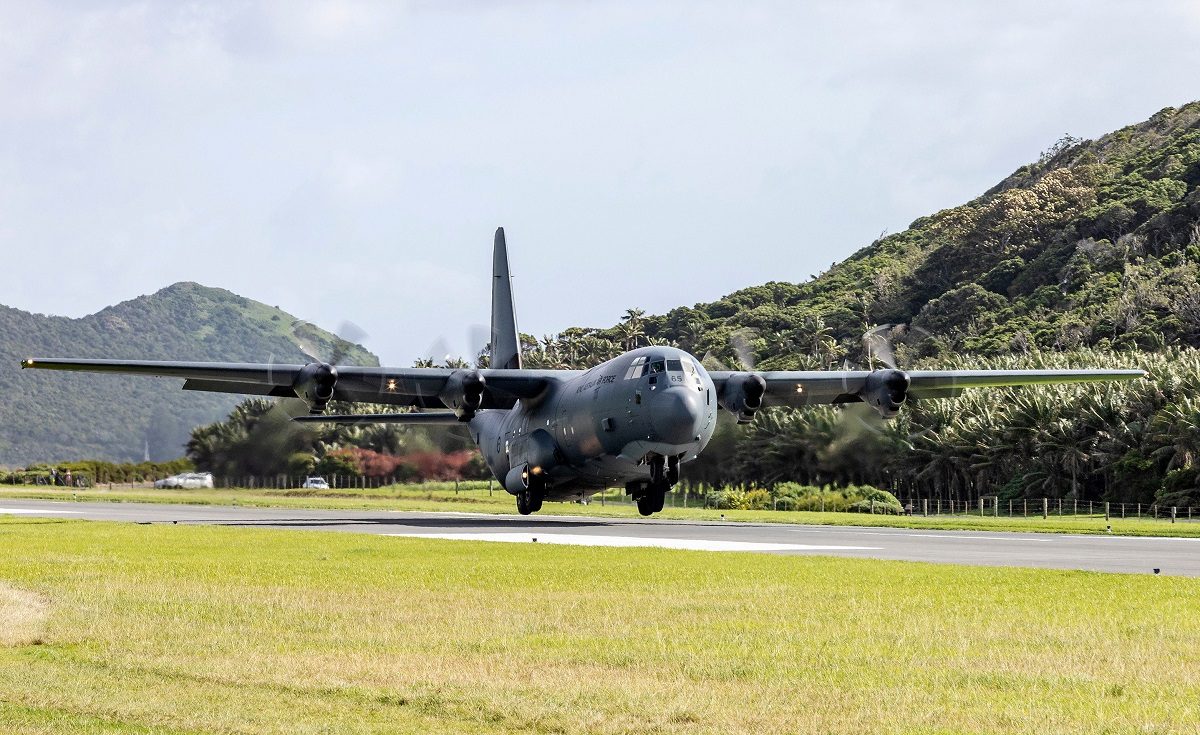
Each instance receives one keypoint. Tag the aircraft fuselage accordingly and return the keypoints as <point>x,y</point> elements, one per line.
<point>605,426</point>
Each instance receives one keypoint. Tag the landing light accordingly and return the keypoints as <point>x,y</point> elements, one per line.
<point>800,389</point>
<point>536,470</point>
<point>391,384</point>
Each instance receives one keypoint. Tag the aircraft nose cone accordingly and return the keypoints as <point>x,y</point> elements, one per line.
<point>676,415</point>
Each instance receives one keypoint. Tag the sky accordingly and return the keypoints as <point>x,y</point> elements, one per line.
<point>349,161</point>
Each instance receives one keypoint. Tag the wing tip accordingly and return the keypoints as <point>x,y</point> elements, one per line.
<point>27,363</point>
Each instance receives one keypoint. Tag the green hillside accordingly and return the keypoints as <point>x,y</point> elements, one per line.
<point>1088,257</point>
<point>1096,244</point>
<point>66,416</point>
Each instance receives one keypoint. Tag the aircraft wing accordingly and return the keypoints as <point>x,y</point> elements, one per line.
<point>806,388</point>
<point>419,387</point>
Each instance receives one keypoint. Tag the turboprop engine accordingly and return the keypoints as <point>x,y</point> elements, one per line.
<point>885,391</point>
<point>314,385</point>
<point>463,393</point>
<point>742,395</point>
<point>529,457</point>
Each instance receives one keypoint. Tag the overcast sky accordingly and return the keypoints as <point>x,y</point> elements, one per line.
<point>350,161</point>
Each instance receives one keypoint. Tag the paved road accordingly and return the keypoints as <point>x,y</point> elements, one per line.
<point>1058,551</point>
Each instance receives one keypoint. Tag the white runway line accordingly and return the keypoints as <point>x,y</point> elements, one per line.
<point>634,541</point>
<point>28,512</point>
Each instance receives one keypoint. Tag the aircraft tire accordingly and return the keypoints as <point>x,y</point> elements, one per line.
<point>529,501</point>
<point>646,505</point>
<point>659,493</point>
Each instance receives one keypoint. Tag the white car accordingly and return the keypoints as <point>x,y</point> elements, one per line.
<point>186,480</point>
<point>315,483</point>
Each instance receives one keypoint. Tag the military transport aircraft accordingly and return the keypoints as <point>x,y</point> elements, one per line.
<point>566,434</point>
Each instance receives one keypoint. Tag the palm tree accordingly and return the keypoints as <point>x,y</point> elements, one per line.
<point>633,327</point>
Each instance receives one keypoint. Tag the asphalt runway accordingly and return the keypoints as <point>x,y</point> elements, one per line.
<point>1055,551</point>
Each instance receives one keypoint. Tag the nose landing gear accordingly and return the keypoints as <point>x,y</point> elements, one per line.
<point>652,495</point>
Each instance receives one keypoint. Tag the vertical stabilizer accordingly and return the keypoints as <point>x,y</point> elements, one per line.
<point>506,340</point>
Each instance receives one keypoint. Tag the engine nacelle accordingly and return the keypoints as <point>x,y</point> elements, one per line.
<point>463,393</point>
<point>742,395</point>
<point>530,457</point>
<point>315,384</point>
<point>885,391</point>
<point>518,479</point>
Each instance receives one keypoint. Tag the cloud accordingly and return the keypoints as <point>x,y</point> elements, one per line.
<point>638,154</point>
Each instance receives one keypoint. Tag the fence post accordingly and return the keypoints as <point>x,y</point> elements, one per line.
<point>996,507</point>
<point>1172,514</point>
<point>1106,510</point>
<point>872,506</point>
<point>1139,510</point>
<point>1046,508</point>
<point>925,506</point>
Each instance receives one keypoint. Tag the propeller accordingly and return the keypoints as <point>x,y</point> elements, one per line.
<point>878,349</point>
<point>275,434</point>
<point>877,345</point>
<point>739,345</point>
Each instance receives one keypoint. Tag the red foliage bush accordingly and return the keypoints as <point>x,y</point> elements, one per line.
<point>420,466</point>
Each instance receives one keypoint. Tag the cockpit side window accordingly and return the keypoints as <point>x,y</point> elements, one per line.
<point>675,366</point>
<point>637,368</point>
<point>657,366</point>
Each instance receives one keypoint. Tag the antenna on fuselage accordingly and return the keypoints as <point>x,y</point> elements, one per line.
<point>506,340</point>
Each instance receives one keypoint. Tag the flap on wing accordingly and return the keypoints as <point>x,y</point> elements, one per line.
<point>250,389</point>
<point>440,418</point>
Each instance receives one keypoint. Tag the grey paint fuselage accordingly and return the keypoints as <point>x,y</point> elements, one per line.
<point>594,429</point>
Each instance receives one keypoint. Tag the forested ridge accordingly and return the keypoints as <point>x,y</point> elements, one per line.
<point>72,416</point>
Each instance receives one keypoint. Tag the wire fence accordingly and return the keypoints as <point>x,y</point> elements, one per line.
<point>687,497</point>
<point>1047,508</point>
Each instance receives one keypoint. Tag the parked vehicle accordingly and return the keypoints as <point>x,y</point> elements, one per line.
<point>186,481</point>
<point>315,483</point>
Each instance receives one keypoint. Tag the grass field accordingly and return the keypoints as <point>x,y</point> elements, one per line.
<point>442,497</point>
<point>121,628</point>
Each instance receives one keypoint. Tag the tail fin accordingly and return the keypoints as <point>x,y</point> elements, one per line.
<point>506,340</point>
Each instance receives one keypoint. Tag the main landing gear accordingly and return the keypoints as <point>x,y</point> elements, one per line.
<point>652,495</point>
<point>529,499</point>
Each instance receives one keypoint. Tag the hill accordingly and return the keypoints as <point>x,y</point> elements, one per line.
<point>68,416</point>
<point>1097,244</point>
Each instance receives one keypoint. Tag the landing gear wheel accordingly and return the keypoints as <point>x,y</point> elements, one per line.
<point>529,501</point>
<point>653,498</point>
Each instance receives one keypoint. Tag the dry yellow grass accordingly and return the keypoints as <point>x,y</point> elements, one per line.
<point>187,629</point>
<point>22,615</point>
